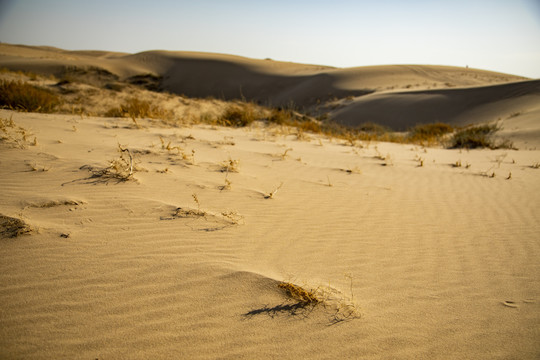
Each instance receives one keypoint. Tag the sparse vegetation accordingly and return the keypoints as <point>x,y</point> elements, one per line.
<point>136,108</point>
<point>280,116</point>
<point>18,95</point>
<point>373,128</point>
<point>120,169</point>
<point>234,114</point>
<point>229,217</point>
<point>230,165</point>
<point>233,217</point>
<point>12,227</point>
<point>14,134</point>
<point>480,136</point>
<point>429,133</point>
<point>238,115</point>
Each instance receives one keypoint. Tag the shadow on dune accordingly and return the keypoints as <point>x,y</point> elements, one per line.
<point>461,106</point>
<point>226,80</point>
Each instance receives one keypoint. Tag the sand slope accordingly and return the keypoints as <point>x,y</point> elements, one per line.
<point>402,110</point>
<point>441,261</point>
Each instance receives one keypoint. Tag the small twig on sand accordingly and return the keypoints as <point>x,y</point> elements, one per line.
<point>271,195</point>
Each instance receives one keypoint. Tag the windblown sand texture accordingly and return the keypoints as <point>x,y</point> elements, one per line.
<point>184,258</point>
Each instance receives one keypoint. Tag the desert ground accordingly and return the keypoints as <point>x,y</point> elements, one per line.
<point>172,236</point>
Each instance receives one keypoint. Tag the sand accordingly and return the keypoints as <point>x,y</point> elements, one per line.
<point>438,261</point>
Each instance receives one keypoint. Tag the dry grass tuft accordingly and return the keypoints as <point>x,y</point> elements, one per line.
<point>120,169</point>
<point>18,95</point>
<point>229,217</point>
<point>305,297</point>
<point>429,133</point>
<point>239,115</point>
<point>135,108</point>
<point>14,134</point>
<point>13,227</point>
<point>480,136</point>
<point>233,217</point>
<point>230,165</point>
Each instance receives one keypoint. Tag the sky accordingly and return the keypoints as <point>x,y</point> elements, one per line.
<point>497,35</point>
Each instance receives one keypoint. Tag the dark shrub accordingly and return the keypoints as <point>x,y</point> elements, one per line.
<point>22,96</point>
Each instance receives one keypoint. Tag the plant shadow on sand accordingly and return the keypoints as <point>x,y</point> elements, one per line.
<point>295,309</point>
<point>119,170</point>
<point>304,303</point>
<point>200,220</point>
<point>100,176</point>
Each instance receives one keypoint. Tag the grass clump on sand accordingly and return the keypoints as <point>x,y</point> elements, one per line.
<point>429,133</point>
<point>480,136</point>
<point>300,294</point>
<point>120,169</point>
<point>18,95</point>
<point>288,117</point>
<point>239,115</point>
<point>13,227</point>
<point>137,108</point>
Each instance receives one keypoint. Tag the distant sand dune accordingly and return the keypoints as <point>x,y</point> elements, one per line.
<point>398,96</point>
<point>473,105</point>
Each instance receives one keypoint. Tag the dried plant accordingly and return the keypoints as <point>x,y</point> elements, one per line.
<point>12,227</point>
<point>120,169</point>
<point>227,185</point>
<point>18,95</point>
<point>284,154</point>
<point>230,165</point>
<point>270,195</point>
<point>233,217</point>
<point>14,134</point>
<point>298,293</point>
<point>136,108</point>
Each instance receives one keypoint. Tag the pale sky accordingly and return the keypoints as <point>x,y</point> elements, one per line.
<point>498,35</point>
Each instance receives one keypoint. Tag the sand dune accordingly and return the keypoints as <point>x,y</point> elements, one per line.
<point>402,110</point>
<point>266,81</point>
<point>414,252</point>
<point>397,96</point>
